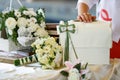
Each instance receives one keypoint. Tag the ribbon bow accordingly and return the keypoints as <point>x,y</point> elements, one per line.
<point>67,28</point>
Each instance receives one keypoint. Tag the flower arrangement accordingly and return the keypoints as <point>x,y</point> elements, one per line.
<point>24,22</point>
<point>48,53</point>
<point>75,71</point>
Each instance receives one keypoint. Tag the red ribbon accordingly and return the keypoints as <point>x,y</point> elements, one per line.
<point>104,15</point>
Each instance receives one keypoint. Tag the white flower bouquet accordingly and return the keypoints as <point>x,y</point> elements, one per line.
<point>47,52</point>
<point>24,25</point>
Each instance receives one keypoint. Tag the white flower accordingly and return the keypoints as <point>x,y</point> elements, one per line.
<point>22,22</point>
<point>43,25</point>
<point>41,33</point>
<point>53,64</point>
<point>39,41</point>
<point>48,58</point>
<point>74,74</point>
<point>10,31</point>
<point>33,20</point>
<point>42,12</point>
<point>39,51</point>
<point>26,12</point>
<point>50,41</point>
<point>17,13</point>
<point>10,23</point>
<point>22,31</point>
<point>44,59</point>
<point>47,49</point>
<point>32,28</point>
<point>61,22</point>
<point>25,41</point>
<point>29,23</point>
<point>32,13</point>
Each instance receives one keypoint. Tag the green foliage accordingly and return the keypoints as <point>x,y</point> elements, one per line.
<point>64,73</point>
<point>14,36</point>
<point>78,66</point>
<point>23,9</point>
<point>2,20</point>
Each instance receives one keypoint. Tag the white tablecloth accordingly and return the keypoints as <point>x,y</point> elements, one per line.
<point>97,72</point>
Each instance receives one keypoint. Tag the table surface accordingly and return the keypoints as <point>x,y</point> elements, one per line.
<point>34,72</point>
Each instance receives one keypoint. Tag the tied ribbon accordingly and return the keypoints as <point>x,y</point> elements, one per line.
<point>106,15</point>
<point>68,28</point>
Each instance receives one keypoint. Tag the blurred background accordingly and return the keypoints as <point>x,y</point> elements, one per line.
<point>55,10</point>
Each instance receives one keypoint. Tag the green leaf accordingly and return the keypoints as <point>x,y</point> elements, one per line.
<point>64,73</point>
<point>86,65</point>
<point>83,76</point>
<point>23,9</point>
<point>78,67</point>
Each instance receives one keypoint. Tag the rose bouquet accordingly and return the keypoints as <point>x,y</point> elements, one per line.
<point>48,54</point>
<point>24,25</point>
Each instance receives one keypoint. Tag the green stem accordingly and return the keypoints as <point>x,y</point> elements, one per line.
<point>66,53</point>
<point>73,46</point>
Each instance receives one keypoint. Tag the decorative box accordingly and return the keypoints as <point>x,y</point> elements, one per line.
<point>92,42</point>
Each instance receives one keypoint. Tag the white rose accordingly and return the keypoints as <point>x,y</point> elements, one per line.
<point>26,12</point>
<point>22,22</point>
<point>50,41</point>
<point>10,23</point>
<point>44,59</point>
<point>29,23</point>
<point>32,13</point>
<point>47,49</point>
<point>32,28</point>
<point>33,20</point>
<point>39,41</point>
<point>43,25</point>
<point>32,23</point>
<point>41,11</point>
<point>17,13</point>
<point>41,33</point>
<point>39,51</point>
